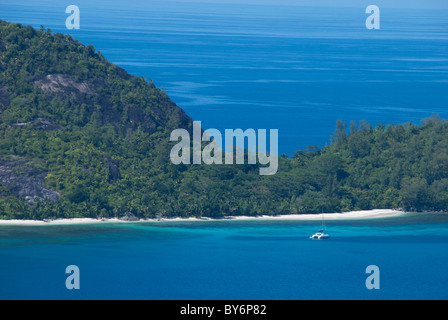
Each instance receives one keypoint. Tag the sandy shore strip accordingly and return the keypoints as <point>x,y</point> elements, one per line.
<point>354,215</point>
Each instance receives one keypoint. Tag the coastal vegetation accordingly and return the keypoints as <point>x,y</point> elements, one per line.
<point>80,137</point>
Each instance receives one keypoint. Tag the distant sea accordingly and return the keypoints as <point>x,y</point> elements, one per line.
<point>296,69</point>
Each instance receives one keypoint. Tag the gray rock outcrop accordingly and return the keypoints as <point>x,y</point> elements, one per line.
<point>22,181</point>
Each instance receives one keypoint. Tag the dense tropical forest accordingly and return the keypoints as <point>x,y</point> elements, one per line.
<point>80,137</point>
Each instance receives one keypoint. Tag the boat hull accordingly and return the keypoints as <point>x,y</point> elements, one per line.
<point>320,236</point>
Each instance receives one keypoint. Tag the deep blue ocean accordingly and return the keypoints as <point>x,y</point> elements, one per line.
<point>296,69</point>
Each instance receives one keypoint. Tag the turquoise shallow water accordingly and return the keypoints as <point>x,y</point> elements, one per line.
<point>228,259</point>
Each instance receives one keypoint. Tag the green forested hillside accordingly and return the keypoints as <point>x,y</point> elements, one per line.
<point>80,137</point>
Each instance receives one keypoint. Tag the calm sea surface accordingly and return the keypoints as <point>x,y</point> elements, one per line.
<point>295,69</point>
<point>228,260</point>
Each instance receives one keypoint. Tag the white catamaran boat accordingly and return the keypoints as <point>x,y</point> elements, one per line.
<point>320,234</point>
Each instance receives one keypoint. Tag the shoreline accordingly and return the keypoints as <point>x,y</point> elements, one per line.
<point>353,215</point>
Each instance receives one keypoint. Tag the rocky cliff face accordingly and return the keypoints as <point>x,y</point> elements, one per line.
<point>19,179</point>
<point>59,83</point>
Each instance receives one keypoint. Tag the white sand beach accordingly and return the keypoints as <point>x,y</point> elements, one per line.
<point>367,214</point>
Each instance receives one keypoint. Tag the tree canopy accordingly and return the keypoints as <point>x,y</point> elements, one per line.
<point>79,128</point>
